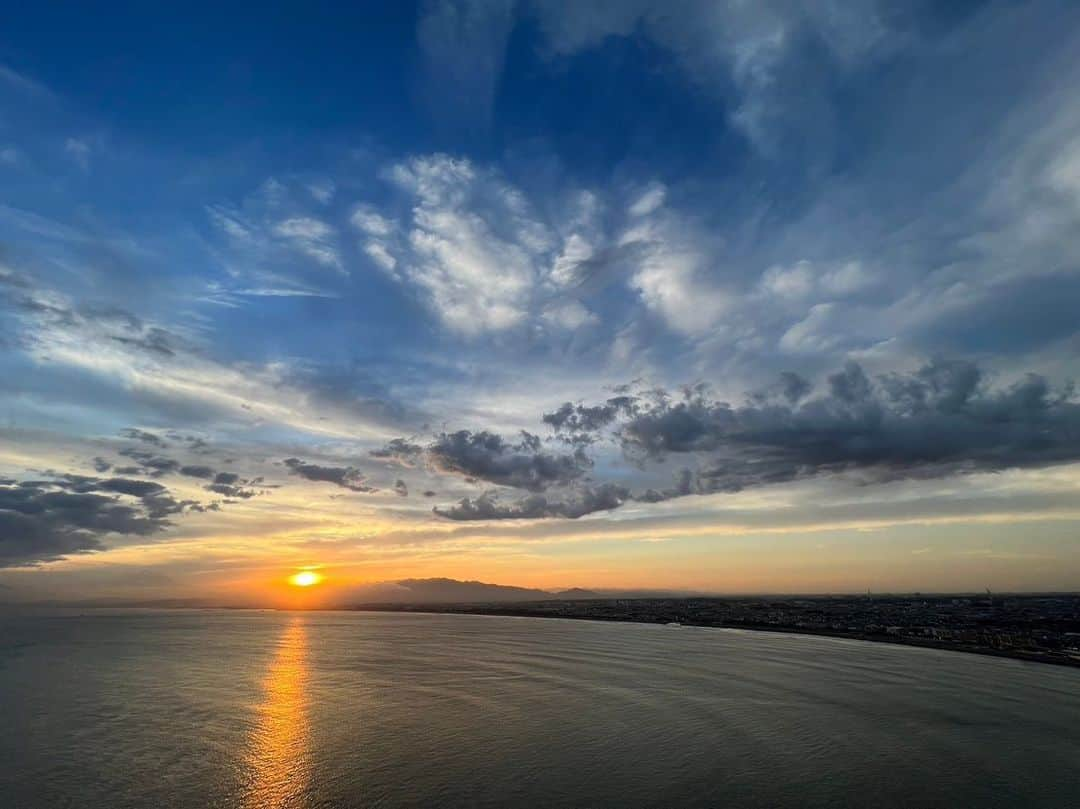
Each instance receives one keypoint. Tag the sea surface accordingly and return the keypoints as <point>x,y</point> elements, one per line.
<point>162,709</point>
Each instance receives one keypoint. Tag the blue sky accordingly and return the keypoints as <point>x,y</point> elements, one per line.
<point>799,269</point>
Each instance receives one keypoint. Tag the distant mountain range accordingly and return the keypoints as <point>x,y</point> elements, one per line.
<point>453,591</point>
<point>447,591</point>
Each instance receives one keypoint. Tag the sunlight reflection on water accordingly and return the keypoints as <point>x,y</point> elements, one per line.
<point>279,757</point>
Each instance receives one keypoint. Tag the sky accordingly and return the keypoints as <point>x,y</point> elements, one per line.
<point>710,296</point>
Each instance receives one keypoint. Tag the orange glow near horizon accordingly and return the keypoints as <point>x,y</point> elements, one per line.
<point>305,578</point>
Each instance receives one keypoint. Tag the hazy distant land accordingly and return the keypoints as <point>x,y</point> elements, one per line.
<point>1037,627</point>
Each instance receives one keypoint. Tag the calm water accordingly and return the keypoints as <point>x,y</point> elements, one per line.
<point>208,709</point>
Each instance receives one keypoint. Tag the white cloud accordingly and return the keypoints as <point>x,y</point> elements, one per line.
<point>378,253</point>
<point>312,237</point>
<point>569,315</point>
<point>473,248</point>
<point>807,280</point>
<point>649,201</point>
<point>817,333</point>
<point>322,191</point>
<point>673,277</point>
<point>303,228</point>
<point>369,221</point>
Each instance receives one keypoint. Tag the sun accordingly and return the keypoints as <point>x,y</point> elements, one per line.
<point>305,578</point>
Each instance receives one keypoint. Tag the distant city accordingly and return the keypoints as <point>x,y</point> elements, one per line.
<point>1037,627</point>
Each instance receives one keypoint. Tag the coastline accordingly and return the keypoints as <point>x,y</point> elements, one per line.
<point>520,612</point>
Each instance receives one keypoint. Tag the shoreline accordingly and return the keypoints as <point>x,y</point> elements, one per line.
<point>509,612</point>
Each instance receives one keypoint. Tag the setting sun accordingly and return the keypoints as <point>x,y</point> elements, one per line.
<point>305,578</point>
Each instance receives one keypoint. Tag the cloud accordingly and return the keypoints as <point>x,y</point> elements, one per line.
<point>370,222</point>
<point>475,278</point>
<point>312,237</point>
<point>145,436</point>
<point>347,477</point>
<point>45,520</point>
<point>772,63</point>
<point>204,472</point>
<point>401,450</point>
<point>476,250</point>
<point>578,423</point>
<point>24,84</point>
<point>587,501</point>
<point>151,464</point>
<point>489,457</point>
<point>942,420</point>
<point>263,236</point>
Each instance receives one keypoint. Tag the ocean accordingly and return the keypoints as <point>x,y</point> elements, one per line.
<point>174,709</point>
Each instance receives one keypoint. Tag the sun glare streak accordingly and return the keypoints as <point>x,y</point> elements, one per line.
<point>279,756</point>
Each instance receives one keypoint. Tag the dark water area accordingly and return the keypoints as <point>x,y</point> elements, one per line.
<point>264,709</point>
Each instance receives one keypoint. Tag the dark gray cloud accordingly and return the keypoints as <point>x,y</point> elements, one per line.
<point>939,420</point>
<point>44,520</point>
<point>790,387</point>
<point>234,492</point>
<point>943,419</point>
<point>587,500</point>
<point>489,457</point>
<point>144,435</point>
<point>577,423</point>
<point>230,484</point>
<point>151,463</point>
<point>190,471</point>
<point>401,488</point>
<point>347,477</point>
<point>401,450</point>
